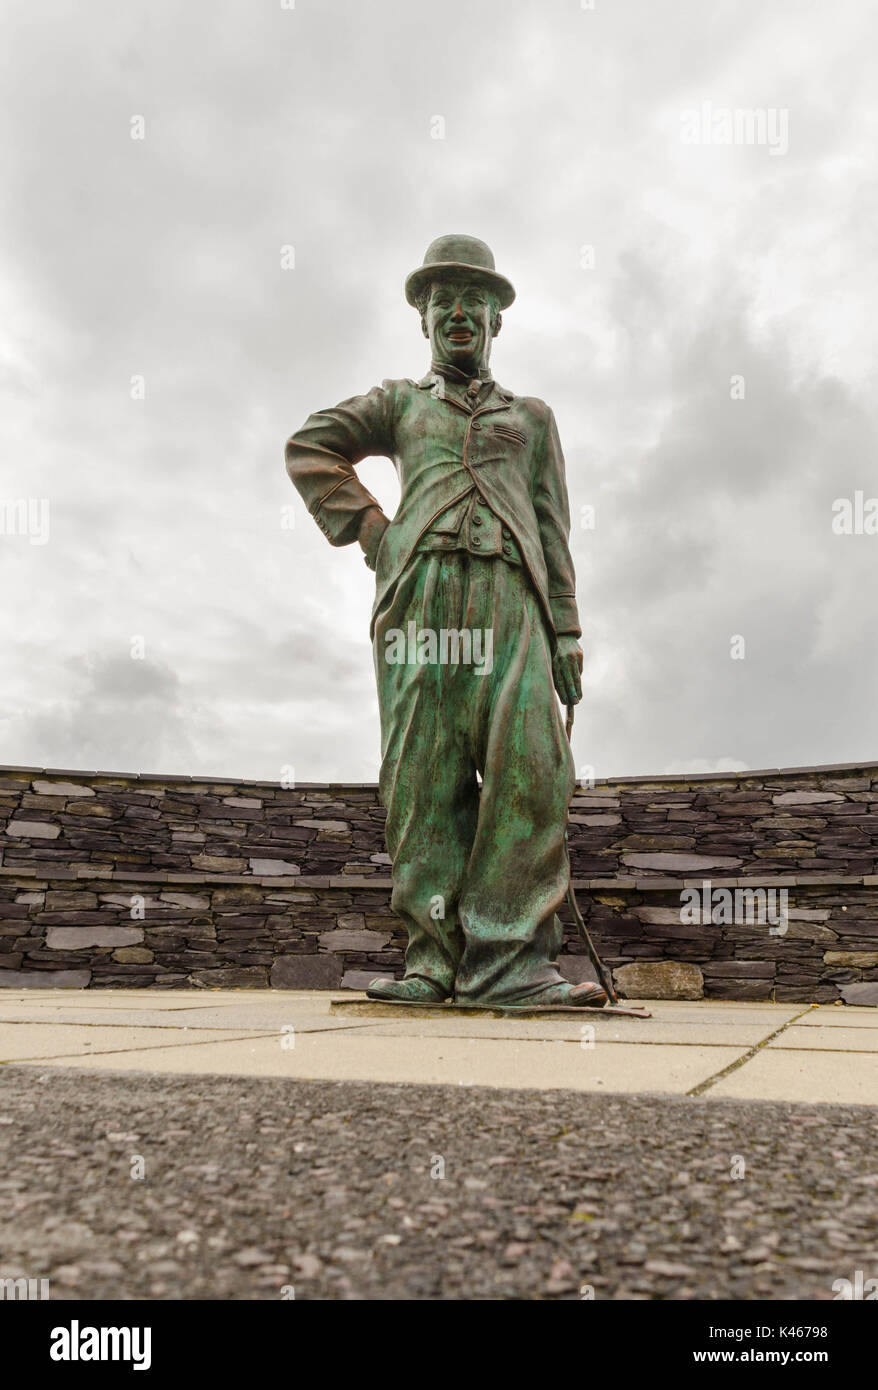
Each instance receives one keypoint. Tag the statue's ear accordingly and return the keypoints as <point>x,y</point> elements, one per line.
<point>424,328</point>
<point>498,324</point>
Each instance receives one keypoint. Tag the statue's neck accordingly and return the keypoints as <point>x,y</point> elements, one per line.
<point>452,373</point>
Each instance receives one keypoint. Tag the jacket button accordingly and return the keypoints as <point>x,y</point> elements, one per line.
<point>477,540</point>
<point>476,425</point>
<point>507,550</point>
<point>477,520</point>
<point>506,534</point>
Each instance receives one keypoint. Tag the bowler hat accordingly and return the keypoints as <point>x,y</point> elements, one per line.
<point>459,257</point>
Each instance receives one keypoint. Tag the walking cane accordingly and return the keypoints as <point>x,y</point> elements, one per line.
<point>616,1005</point>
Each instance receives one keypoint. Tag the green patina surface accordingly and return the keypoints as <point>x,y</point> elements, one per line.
<point>475,637</point>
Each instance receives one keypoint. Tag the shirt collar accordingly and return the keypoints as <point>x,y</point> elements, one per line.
<point>450,373</point>
<point>436,383</point>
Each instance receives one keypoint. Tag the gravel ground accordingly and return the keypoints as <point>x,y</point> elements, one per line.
<point>256,1186</point>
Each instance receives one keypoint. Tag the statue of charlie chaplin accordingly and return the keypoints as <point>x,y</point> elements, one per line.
<point>474,629</point>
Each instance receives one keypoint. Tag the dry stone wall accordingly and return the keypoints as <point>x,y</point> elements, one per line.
<point>122,880</point>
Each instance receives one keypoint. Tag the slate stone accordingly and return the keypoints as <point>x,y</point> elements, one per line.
<point>354,921</point>
<point>665,979</point>
<point>323,824</point>
<point>657,842</point>
<point>45,979</point>
<point>362,979</point>
<point>683,863</point>
<point>33,829</point>
<point>195,901</point>
<point>77,898</point>
<point>231,977</point>
<point>749,989</point>
<point>739,969</point>
<point>659,916</point>
<point>306,972</point>
<point>65,789</point>
<point>215,863</point>
<point>862,992</point>
<point>78,938</point>
<point>353,940</point>
<point>808,931</point>
<point>862,959</point>
<point>265,868</point>
<point>803,798</point>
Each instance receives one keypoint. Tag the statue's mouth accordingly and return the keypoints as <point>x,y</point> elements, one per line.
<point>460,335</point>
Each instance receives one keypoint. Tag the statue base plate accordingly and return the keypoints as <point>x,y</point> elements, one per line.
<point>390,1008</point>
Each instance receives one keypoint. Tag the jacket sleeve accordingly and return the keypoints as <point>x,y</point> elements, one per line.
<point>320,460</point>
<point>553,519</point>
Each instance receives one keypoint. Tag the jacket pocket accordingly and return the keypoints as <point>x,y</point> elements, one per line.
<point>511,434</point>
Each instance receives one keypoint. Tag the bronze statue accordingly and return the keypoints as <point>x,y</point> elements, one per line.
<point>474,630</point>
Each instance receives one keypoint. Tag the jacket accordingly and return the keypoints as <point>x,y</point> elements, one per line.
<point>506,448</point>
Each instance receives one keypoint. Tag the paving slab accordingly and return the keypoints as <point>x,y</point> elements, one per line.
<point>792,1074</point>
<point>171,1001</point>
<point>827,1039</point>
<point>839,1016</point>
<point>23,1042</point>
<point>348,1055</point>
<point>230,1016</point>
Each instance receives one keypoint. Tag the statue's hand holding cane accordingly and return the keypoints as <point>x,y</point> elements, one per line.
<point>567,670</point>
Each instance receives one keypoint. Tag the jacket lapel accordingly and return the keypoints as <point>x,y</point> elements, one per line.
<point>497,399</point>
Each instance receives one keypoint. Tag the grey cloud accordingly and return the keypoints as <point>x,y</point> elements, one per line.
<point>311,127</point>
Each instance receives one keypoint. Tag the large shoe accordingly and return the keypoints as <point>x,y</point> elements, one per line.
<point>588,995</point>
<point>565,996</point>
<point>412,990</point>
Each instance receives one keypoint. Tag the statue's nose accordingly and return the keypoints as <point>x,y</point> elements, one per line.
<point>457,312</point>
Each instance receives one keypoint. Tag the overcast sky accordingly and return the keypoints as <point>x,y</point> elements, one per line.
<point>313,127</point>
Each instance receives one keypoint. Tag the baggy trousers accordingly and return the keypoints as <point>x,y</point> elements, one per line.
<point>477,879</point>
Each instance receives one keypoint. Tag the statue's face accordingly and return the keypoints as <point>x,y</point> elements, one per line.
<point>458,322</point>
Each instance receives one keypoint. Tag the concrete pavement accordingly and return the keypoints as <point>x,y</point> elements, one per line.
<point>754,1051</point>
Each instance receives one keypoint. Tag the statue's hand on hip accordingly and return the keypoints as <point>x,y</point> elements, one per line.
<point>567,670</point>
<point>372,528</point>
